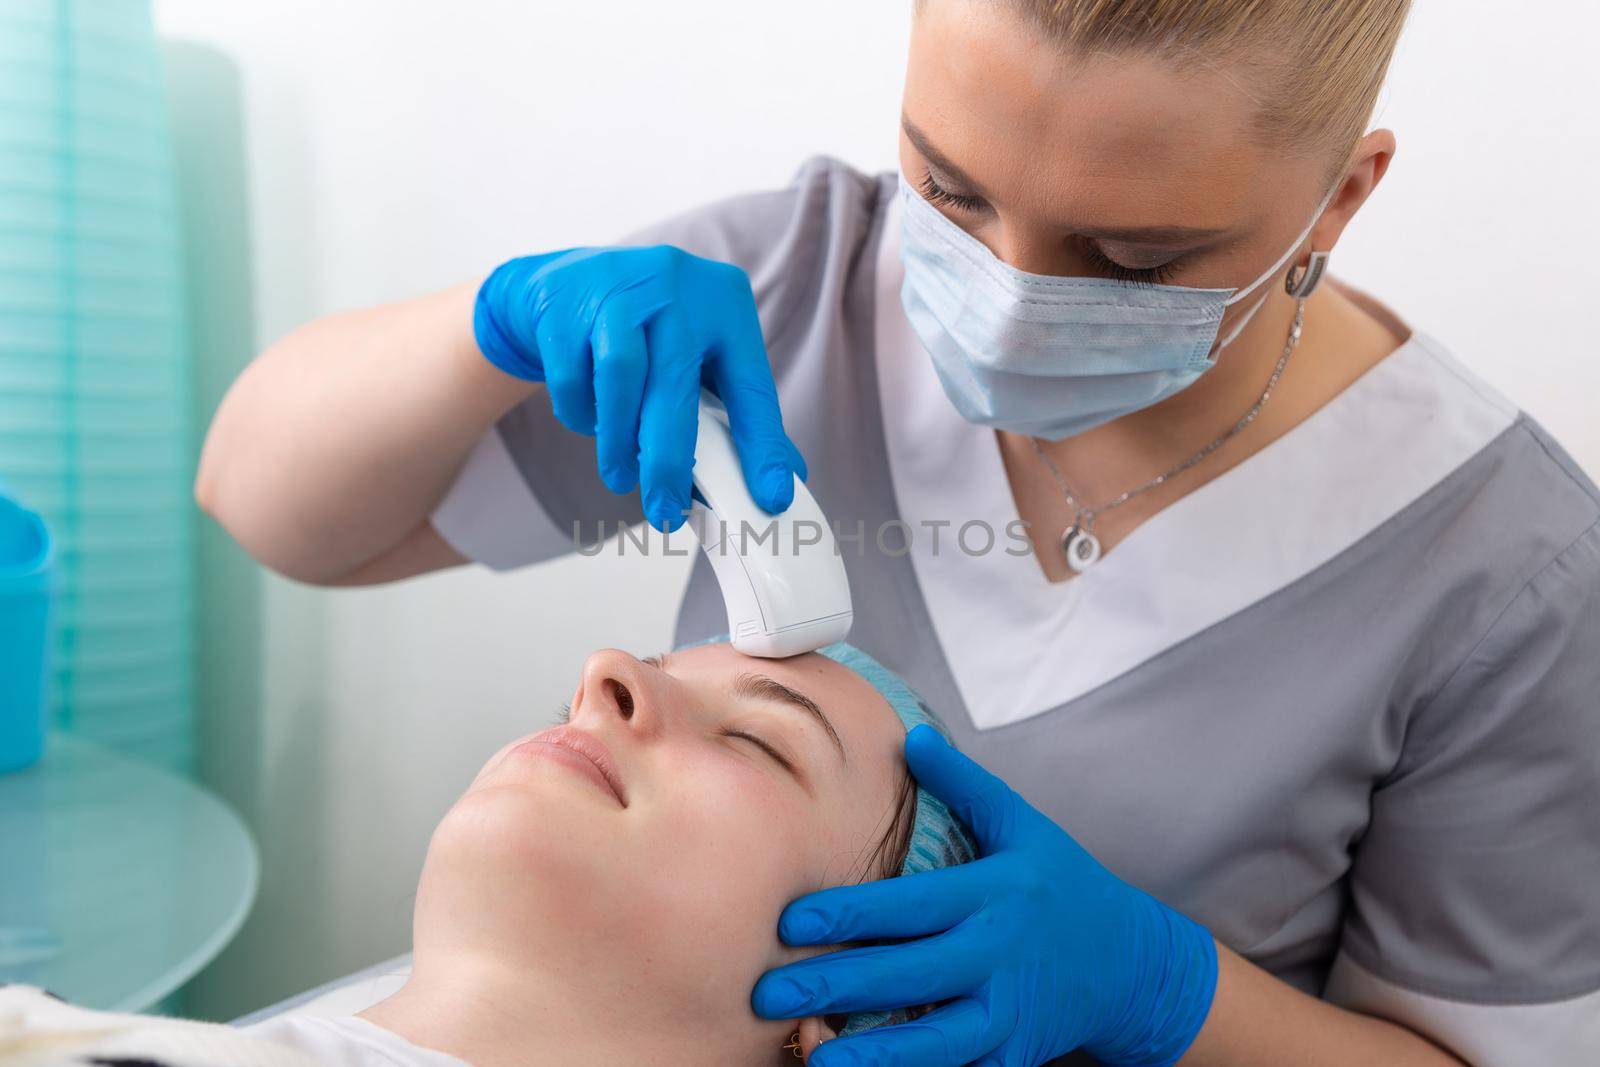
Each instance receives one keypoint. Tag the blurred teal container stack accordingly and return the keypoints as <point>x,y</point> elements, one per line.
<point>94,378</point>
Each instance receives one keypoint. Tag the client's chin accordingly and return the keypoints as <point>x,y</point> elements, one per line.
<point>507,859</point>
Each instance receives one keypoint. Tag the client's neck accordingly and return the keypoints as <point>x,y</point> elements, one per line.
<point>492,1015</point>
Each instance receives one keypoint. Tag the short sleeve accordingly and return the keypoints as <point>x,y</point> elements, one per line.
<point>531,490</point>
<point>1475,893</point>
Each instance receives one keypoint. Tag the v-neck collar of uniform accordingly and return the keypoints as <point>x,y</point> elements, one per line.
<point>1019,645</point>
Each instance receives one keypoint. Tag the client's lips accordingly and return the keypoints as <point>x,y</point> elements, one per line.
<point>595,757</point>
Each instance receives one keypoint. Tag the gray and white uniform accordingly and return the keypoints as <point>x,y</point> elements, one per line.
<point>1340,704</point>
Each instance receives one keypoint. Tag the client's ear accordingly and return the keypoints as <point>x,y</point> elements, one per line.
<point>814,1030</point>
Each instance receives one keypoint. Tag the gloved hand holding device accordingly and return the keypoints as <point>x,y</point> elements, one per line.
<point>623,339</point>
<point>1036,946</point>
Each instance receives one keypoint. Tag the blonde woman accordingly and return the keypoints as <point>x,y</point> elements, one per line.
<point>1284,625</point>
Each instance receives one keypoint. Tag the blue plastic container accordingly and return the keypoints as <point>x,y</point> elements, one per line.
<point>27,588</point>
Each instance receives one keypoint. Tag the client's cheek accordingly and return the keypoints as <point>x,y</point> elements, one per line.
<point>719,783</point>
<point>730,846</point>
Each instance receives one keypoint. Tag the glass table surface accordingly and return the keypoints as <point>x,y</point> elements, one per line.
<point>118,881</point>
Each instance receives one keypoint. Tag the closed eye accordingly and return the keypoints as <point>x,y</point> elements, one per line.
<point>777,756</point>
<point>935,193</point>
<point>1139,275</point>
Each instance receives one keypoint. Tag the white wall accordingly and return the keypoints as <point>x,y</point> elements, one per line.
<point>397,147</point>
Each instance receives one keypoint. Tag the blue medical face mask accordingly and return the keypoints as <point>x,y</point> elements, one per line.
<point>1052,356</point>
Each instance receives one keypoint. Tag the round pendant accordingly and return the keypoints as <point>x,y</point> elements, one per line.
<point>1081,547</point>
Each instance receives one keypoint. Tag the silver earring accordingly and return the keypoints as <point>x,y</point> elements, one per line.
<point>1305,284</point>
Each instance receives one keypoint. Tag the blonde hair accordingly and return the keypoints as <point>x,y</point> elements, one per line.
<point>1314,67</point>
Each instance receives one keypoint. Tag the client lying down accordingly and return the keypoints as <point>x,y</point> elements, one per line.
<point>607,890</point>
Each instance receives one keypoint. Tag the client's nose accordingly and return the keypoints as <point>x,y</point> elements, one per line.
<point>617,687</point>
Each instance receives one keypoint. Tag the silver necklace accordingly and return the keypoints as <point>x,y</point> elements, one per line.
<point>1078,541</point>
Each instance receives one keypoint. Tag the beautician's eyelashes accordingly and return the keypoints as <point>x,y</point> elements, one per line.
<point>1138,275</point>
<point>934,193</point>
<point>564,716</point>
<point>777,756</point>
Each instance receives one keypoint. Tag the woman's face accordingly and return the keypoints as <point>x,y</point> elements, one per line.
<point>651,842</point>
<point>1070,165</point>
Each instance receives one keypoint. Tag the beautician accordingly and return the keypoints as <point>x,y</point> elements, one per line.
<point>1293,704</point>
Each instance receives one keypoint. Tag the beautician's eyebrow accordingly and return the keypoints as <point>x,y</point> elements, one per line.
<point>761,687</point>
<point>1155,235</point>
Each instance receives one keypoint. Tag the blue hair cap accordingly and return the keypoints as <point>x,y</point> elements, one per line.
<point>938,839</point>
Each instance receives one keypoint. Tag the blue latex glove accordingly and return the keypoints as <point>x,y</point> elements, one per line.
<point>1039,949</point>
<point>622,339</point>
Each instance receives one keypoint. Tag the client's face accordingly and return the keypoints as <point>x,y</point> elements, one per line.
<point>650,843</point>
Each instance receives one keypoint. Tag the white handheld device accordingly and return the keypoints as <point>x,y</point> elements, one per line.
<point>782,576</point>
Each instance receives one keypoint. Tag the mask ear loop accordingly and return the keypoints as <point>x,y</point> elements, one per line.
<point>1300,288</point>
<point>1244,320</point>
